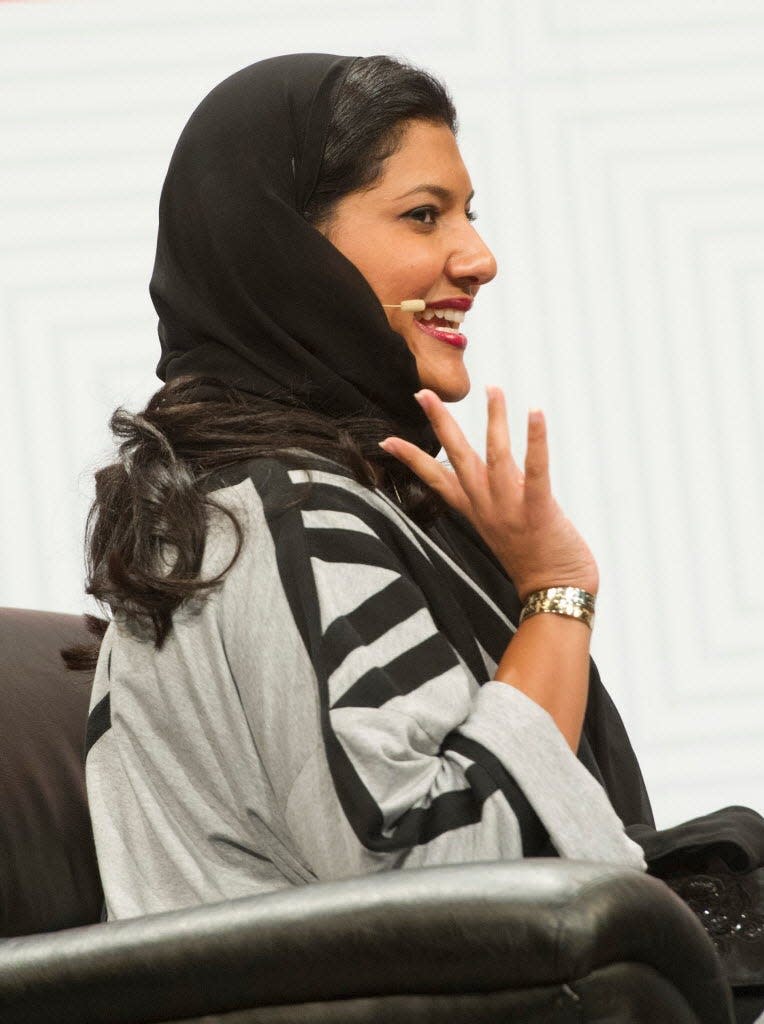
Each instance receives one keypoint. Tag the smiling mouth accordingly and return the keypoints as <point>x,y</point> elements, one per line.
<point>448,319</point>
<point>442,327</point>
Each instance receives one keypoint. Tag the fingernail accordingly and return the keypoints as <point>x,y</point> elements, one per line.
<point>418,396</point>
<point>384,444</point>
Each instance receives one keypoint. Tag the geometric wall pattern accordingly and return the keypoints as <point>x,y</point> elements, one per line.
<point>617,152</point>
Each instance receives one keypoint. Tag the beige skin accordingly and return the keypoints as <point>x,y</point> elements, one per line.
<point>513,510</point>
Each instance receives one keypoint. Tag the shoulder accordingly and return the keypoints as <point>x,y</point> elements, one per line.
<point>293,480</point>
<point>305,525</point>
<point>298,490</point>
<point>265,471</point>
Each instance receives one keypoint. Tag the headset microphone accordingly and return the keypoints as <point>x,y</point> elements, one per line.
<point>409,305</point>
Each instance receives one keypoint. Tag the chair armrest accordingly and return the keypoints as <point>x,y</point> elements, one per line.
<point>475,928</point>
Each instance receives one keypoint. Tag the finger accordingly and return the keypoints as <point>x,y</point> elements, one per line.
<point>499,459</point>
<point>537,484</point>
<point>464,459</point>
<point>429,470</point>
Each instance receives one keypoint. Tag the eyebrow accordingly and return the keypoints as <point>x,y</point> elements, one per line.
<point>444,194</point>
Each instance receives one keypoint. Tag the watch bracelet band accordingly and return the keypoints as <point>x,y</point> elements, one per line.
<point>571,601</point>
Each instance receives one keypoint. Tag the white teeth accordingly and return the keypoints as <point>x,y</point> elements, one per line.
<point>454,315</point>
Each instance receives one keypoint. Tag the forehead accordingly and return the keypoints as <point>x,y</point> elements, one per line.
<point>427,153</point>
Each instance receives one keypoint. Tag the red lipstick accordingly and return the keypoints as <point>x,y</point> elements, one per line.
<point>463,302</point>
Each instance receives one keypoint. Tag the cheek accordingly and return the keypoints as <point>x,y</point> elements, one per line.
<point>419,260</point>
<point>396,269</point>
<point>403,324</point>
<point>416,342</point>
<point>400,322</point>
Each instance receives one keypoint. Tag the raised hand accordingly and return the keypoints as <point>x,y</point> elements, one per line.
<point>514,512</point>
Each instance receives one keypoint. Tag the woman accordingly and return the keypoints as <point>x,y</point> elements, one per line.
<point>309,672</point>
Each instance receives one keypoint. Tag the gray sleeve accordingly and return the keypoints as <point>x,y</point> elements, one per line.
<point>420,764</point>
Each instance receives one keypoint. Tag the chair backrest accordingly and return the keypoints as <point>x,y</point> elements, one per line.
<point>48,872</point>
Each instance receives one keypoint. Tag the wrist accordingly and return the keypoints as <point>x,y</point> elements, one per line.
<point>589,582</point>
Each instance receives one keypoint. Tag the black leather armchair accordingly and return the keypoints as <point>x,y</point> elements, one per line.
<point>539,940</point>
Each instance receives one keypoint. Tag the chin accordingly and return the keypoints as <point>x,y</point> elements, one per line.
<point>450,391</point>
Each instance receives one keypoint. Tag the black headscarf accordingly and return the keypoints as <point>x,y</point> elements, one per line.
<point>249,292</point>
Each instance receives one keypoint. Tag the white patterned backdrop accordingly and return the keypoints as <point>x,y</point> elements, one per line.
<point>617,152</point>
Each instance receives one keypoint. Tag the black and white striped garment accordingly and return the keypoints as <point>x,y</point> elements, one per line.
<point>329,711</point>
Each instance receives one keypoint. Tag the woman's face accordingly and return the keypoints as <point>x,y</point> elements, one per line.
<point>411,237</point>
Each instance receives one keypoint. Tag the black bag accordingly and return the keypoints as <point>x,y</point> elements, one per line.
<point>715,863</point>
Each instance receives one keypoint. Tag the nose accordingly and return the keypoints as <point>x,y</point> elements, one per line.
<point>471,260</point>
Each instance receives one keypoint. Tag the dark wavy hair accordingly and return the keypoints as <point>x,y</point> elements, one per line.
<point>154,495</point>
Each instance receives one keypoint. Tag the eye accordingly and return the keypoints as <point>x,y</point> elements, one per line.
<point>434,212</point>
<point>424,211</point>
